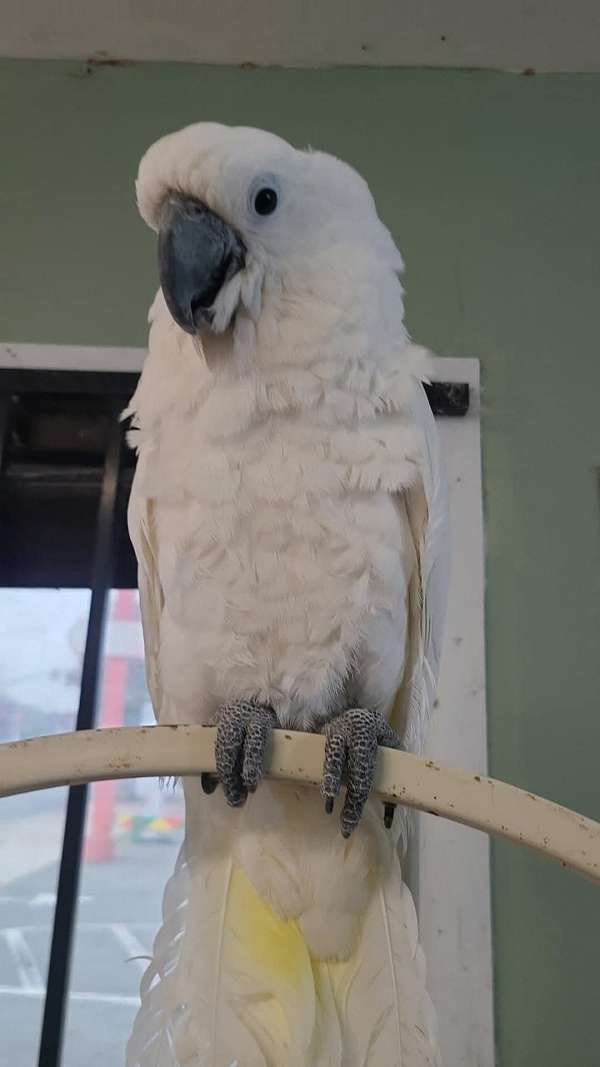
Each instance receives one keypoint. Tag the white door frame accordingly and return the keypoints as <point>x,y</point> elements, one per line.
<point>453,868</point>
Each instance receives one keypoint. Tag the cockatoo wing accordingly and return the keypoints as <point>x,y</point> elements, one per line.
<point>426,505</point>
<point>142,532</point>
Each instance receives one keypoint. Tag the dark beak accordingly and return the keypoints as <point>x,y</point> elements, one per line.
<point>197,254</point>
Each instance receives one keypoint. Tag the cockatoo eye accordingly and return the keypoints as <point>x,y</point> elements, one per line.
<point>265,201</point>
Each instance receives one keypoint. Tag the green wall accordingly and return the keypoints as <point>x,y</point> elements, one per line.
<point>491,185</point>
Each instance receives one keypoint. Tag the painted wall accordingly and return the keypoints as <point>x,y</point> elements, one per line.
<point>491,185</point>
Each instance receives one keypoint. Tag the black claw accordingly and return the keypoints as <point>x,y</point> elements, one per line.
<point>388,815</point>
<point>237,800</point>
<point>209,782</point>
<point>329,805</point>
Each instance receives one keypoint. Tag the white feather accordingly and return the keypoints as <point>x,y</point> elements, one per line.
<point>387,1013</point>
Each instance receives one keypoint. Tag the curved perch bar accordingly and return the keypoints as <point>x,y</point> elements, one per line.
<point>139,752</point>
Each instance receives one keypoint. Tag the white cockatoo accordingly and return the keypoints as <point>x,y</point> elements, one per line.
<point>289,517</point>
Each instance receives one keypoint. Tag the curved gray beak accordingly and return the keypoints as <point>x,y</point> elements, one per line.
<point>197,254</point>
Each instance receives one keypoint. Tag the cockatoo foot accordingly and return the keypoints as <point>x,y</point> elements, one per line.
<point>243,730</point>
<point>351,742</point>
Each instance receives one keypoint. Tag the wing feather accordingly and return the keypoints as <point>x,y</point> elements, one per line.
<point>142,531</point>
<point>427,509</point>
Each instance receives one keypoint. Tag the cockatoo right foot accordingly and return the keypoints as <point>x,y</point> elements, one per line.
<point>351,742</point>
<point>243,730</point>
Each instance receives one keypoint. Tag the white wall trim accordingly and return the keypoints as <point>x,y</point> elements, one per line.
<point>453,869</point>
<point>513,35</point>
<point>17,356</point>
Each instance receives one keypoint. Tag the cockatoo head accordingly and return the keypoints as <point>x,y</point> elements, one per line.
<point>247,223</point>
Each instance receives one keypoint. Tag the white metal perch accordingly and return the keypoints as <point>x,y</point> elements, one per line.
<point>483,803</point>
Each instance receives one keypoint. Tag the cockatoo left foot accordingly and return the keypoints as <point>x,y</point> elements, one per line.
<point>351,742</point>
<point>243,730</point>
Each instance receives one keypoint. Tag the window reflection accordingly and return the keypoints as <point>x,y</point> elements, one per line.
<point>41,653</point>
<point>134,830</point>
